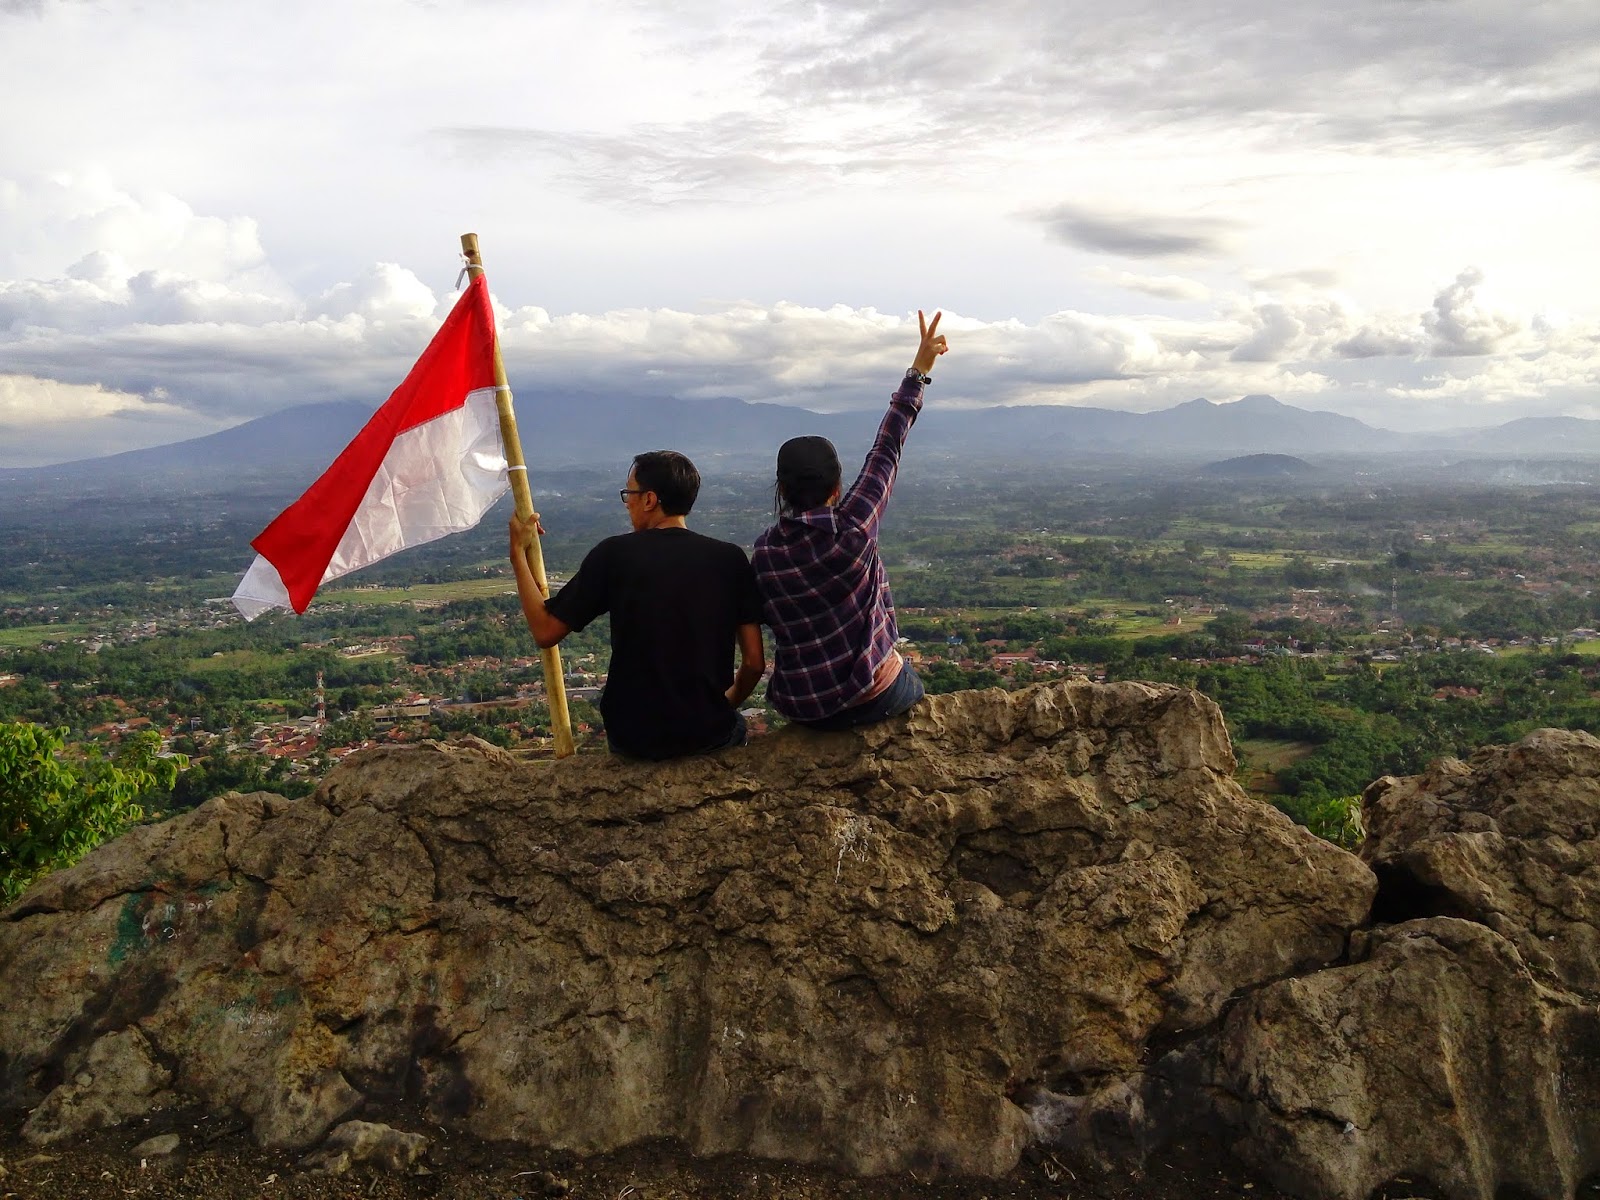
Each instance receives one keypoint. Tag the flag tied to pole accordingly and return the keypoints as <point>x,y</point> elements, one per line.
<point>429,463</point>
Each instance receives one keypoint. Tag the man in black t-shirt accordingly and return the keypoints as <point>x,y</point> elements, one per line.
<point>679,603</point>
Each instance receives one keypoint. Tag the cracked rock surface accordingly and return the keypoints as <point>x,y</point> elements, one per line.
<point>1462,1041</point>
<point>872,950</point>
<point>1509,839</point>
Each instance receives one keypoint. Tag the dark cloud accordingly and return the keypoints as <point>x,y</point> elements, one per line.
<point>1458,327</point>
<point>1366,72</point>
<point>1277,329</point>
<point>220,371</point>
<point>1373,342</point>
<point>920,79</point>
<point>1134,236</point>
<point>1511,129</point>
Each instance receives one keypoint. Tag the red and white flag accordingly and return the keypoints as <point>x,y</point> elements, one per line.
<point>429,463</point>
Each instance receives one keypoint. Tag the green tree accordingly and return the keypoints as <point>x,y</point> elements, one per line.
<point>1229,630</point>
<point>54,811</point>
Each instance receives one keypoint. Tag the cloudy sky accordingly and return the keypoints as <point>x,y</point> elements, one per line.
<point>209,211</point>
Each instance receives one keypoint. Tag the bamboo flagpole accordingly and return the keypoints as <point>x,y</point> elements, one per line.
<point>555,688</point>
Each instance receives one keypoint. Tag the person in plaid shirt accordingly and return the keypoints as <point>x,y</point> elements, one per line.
<point>823,587</point>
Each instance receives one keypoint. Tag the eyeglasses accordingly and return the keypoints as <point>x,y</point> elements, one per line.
<point>626,492</point>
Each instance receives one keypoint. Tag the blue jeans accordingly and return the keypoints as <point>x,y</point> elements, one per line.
<point>739,737</point>
<point>895,699</point>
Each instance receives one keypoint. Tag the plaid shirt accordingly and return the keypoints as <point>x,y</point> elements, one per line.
<point>823,587</point>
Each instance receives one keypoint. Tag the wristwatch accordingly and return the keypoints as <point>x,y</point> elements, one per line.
<point>915,376</point>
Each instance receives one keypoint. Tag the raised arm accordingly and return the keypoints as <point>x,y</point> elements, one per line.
<point>867,497</point>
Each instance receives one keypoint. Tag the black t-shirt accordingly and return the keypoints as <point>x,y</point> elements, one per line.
<point>676,598</point>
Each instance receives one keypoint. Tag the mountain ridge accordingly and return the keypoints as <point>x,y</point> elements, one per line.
<point>588,428</point>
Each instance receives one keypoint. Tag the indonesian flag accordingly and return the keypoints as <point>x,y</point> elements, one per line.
<point>429,463</point>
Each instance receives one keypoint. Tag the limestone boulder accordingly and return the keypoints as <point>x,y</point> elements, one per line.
<point>1461,1042</point>
<point>1509,839</point>
<point>115,1081</point>
<point>365,1144</point>
<point>883,950</point>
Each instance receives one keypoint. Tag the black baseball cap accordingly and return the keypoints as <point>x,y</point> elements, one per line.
<point>809,459</point>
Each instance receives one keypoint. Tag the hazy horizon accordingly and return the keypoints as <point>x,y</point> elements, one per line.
<point>1216,450</point>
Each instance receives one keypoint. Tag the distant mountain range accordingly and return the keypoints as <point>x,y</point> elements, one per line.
<point>608,430</point>
<point>1201,430</point>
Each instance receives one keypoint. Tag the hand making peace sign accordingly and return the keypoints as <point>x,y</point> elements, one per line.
<point>932,344</point>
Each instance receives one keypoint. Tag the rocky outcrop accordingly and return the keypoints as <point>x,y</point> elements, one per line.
<point>876,950</point>
<point>1510,840</point>
<point>1042,916</point>
<point>1462,1041</point>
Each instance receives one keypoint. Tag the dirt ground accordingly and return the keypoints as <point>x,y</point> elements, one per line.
<point>216,1160</point>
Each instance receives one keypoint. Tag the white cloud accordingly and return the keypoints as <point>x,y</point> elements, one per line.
<point>383,292</point>
<point>26,402</point>
<point>1565,371</point>
<point>1307,278</point>
<point>219,355</point>
<point>81,255</point>
<point>1162,287</point>
<point>45,420</point>
<point>713,198</point>
<point>84,224</point>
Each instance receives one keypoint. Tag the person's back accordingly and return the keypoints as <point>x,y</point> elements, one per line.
<point>676,599</point>
<point>679,602</point>
<point>826,596</point>
<point>824,589</point>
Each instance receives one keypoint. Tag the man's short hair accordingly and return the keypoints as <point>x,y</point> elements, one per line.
<point>671,476</point>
